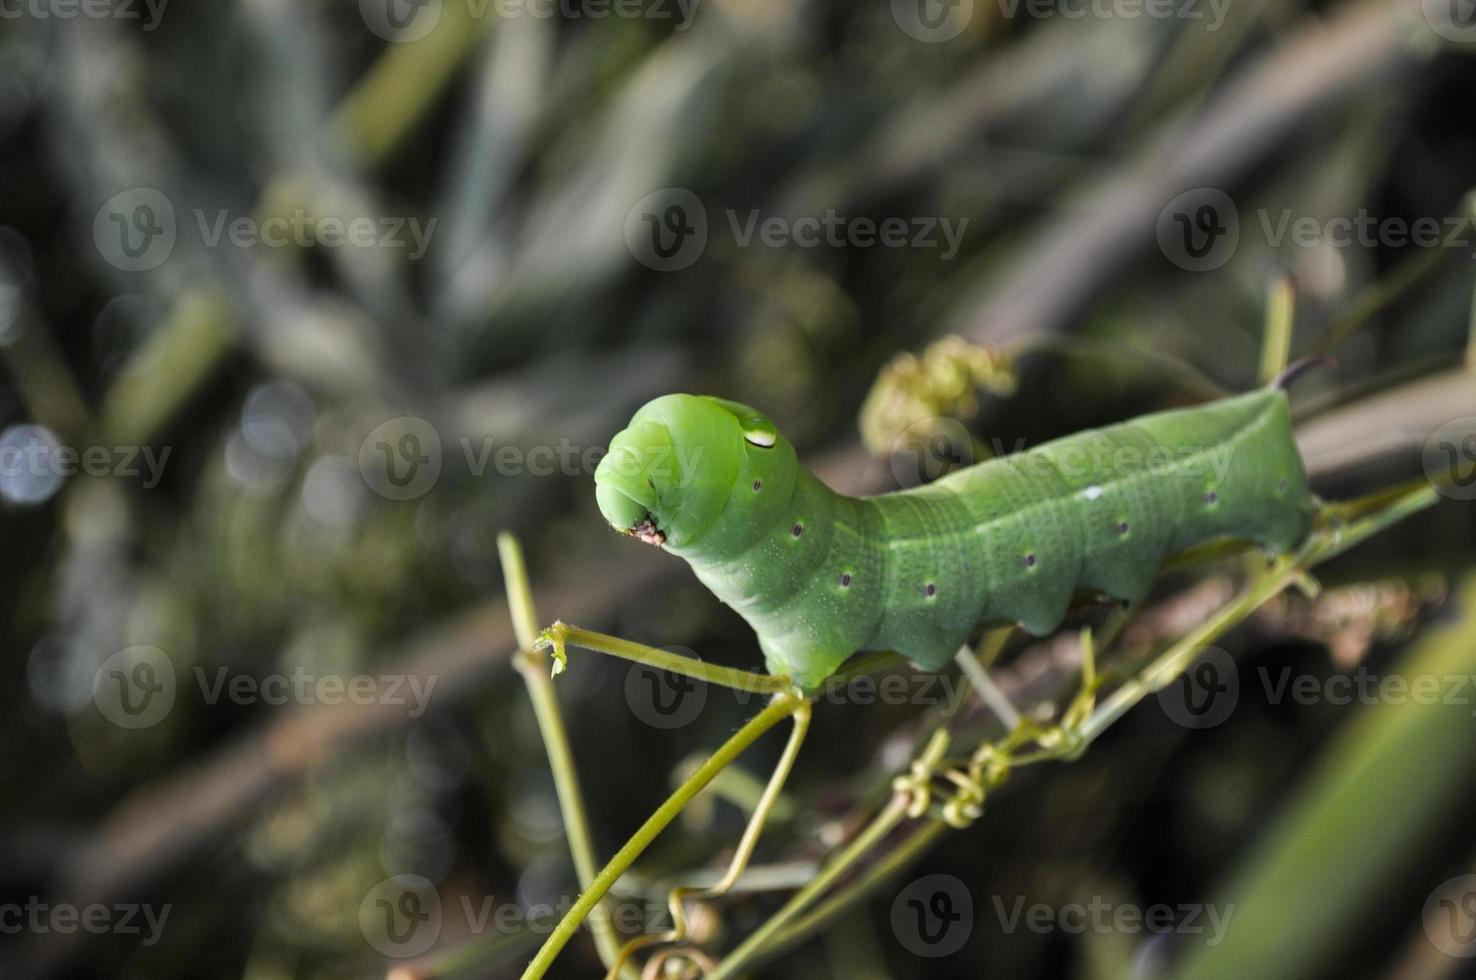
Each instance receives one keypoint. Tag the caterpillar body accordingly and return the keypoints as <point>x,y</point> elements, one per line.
<point>820,576</point>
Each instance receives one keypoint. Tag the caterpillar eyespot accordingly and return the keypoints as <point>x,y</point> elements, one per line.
<point>1011,539</point>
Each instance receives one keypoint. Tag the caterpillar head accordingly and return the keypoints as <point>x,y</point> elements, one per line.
<point>669,475</point>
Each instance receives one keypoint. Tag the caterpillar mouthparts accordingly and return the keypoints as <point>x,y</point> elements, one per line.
<point>648,532</point>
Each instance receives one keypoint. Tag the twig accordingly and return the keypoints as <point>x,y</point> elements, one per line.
<point>533,668</point>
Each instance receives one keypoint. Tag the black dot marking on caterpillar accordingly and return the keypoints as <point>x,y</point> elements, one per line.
<point>1211,498</point>
<point>758,485</point>
<point>797,530</point>
<point>1030,560</point>
<point>930,590</point>
<point>845,580</point>
<point>1122,527</point>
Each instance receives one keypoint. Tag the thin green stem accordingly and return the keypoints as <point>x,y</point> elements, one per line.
<point>782,707</point>
<point>866,665</point>
<point>1173,367</point>
<point>676,901</point>
<point>1276,339</point>
<point>1379,295</point>
<point>1471,331</point>
<point>987,690</point>
<point>531,665</point>
<point>918,840</point>
<point>755,944</point>
<point>1324,543</point>
<point>561,635</point>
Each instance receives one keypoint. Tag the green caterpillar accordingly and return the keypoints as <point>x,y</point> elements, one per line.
<point>820,576</point>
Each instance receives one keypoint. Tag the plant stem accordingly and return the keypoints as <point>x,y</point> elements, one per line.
<point>1277,335</point>
<point>1324,543</point>
<point>676,901</point>
<point>531,665</point>
<point>1379,295</point>
<point>753,946</point>
<point>918,840</point>
<point>560,634</point>
<point>782,707</point>
<point>987,690</point>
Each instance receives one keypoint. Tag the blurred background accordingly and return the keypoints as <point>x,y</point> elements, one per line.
<point>302,303</point>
